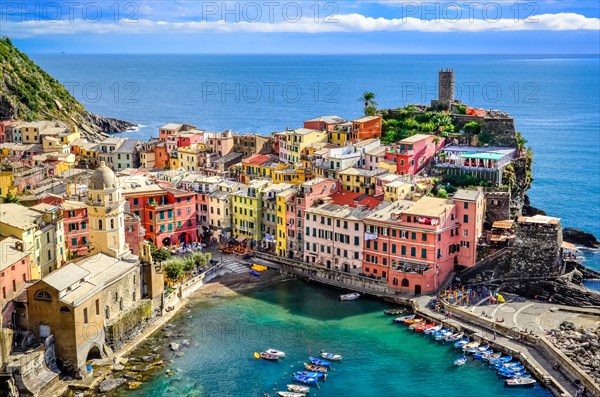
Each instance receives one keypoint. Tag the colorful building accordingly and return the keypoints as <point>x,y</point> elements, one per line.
<point>292,142</point>
<point>412,154</point>
<point>359,180</point>
<point>15,271</point>
<point>247,205</point>
<point>366,128</point>
<point>77,233</point>
<point>295,175</point>
<point>286,222</point>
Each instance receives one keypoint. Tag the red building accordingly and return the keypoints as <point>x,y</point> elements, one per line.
<point>14,273</point>
<point>190,138</point>
<point>366,128</point>
<point>414,153</point>
<point>416,245</point>
<point>167,215</point>
<point>324,123</point>
<point>77,233</point>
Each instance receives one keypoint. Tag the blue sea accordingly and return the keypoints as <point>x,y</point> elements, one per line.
<point>555,101</point>
<point>380,358</point>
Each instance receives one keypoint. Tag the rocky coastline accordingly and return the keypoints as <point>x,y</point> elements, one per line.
<point>580,345</point>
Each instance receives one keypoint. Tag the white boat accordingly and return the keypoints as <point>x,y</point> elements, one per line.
<point>298,388</point>
<point>472,345</point>
<point>350,297</point>
<point>454,337</point>
<point>277,353</point>
<point>290,394</point>
<point>331,356</point>
<point>433,329</point>
<point>520,382</point>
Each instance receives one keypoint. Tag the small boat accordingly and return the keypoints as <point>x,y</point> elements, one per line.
<point>404,318</point>
<point>254,273</point>
<point>259,268</point>
<point>460,361</point>
<point>308,374</point>
<point>290,394</point>
<point>433,330</point>
<point>315,368</point>
<point>350,297</point>
<point>304,379</point>
<point>523,374</point>
<point>318,361</point>
<point>471,345</point>
<point>412,320</point>
<point>503,359</point>
<point>269,356</point>
<point>423,327</point>
<point>298,388</point>
<point>394,312</point>
<point>520,382</point>
<point>278,353</point>
<point>442,334</point>
<point>493,356</point>
<point>454,337</point>
<point>483,348</point>
<point>461,343</point>
<point>331,356</point>
<point>416,324</point>
<point>480,355</point>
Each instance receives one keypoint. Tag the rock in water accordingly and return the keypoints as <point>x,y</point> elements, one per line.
<point>578,237</point>
<point>110,384</point>
<point>174,346</point>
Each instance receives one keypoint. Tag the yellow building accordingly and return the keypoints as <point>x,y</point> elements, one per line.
<point>7,179</point>
<point>187,157</point>
<point>398,190</point>
<point>290,174</point>
<point>359,181</point>
<point>69,136</point>
<point>293,142</point>
<point>247,209</point>
<point>258,166</point>
<point>341,136</point>
<point>88,152</point>
<point>41,232</point>
<point>174,163</point>
<point>282,225</point>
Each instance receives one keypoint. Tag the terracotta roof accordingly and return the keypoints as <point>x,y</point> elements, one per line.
<point>353,199</point>
<point>257,159</point>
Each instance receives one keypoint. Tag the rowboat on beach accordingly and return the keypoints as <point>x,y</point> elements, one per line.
<point>259,268</point>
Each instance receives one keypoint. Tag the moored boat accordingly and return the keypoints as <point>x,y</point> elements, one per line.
<point>416,324</point>
<point>298,388</point>
<point>461,343</point>
<point>460,361</point>
<point>278,353</point>
<point>290,394</point>
<point>350,297</point>
<point>520,382</point>
<point>482,354</point>
<point>318,361</point>
<point>471,345</point>
<point>404,318</point>
<point>412,320</point>
<point>422,327</point>
<point>433,330</point>
<point>304,379</point>
<point>308,374</point>
<point>269,356</point>
<point>331,356</point>
<point>315,368</point>
<point>454,337</point>
<point>394,312</point>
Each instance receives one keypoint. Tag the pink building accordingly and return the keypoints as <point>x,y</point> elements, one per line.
<point>190,138</point>
<point>77,234</point>
<point>14,272</point>
<point>373,157</point>
<point>333,237</point>
<point>172,129</point>
<point>220,143</point>
<point>416,245</point>
<point>413,153</point>
<point>134,232</point>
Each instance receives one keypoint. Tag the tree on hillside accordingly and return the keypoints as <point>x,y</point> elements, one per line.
<point>368,98</point>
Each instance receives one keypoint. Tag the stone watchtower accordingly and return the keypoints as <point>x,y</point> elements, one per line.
<point>446,86</point>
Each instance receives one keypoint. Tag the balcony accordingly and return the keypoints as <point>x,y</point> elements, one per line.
<point>411,267</point>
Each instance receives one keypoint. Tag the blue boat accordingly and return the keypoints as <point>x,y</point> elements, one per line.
<point>507,365</point>
<point>304,379</point>
<point>461,343</point>
<point>503,359</point>
<point>460,361</point>
<point>254,273</point>
<point>307,374</point>
<point>480,355</point>
<point>318,361</point>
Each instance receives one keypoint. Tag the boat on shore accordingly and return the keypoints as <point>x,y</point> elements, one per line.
<point>520,382</point>
<point>269,356</point>
<point>331,356</point>
<point>298,388</point>
<point>278,353</point>
<point>350,297</point>
<point>255,273</point>
<point>315,368</point>
<point>318,361</point>
<point>259,268</point>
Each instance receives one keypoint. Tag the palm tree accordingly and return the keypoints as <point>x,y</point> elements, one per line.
<point>369,100</point>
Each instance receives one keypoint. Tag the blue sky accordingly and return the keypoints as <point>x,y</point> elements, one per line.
<point>314,27</point>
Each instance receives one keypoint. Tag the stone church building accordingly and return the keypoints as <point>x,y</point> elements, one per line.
<point>92,304</point>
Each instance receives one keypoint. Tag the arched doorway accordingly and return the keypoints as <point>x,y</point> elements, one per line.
<point>93,353</point>
<point>405,282</point>
<point>166,242</point>
<point>417,290</point>
<point>184,238</point>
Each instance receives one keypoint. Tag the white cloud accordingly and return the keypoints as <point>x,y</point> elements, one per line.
<point>345,23</point>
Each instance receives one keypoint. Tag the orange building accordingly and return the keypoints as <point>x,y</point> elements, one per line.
<point>366,128</point>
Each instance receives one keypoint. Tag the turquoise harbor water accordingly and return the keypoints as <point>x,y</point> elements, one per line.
<point>380,358</point>
<point>554,100</point>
